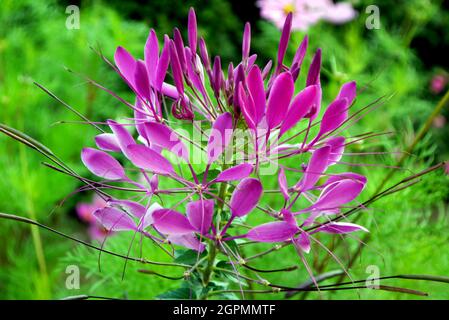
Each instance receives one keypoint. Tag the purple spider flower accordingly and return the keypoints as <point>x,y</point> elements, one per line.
<point>263,102</point>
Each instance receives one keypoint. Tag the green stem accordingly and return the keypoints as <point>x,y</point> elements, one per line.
<point>210,263</point>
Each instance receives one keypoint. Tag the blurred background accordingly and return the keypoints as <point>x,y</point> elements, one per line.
<point>404,60</point>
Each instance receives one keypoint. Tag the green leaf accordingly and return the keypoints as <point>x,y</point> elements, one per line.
<point>189,257</point>
<point>178,294</point>
<point>211,175</point>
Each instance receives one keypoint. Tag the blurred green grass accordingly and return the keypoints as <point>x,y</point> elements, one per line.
<point>408,230</point>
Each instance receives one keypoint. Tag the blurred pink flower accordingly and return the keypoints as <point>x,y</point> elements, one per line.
<point>306,12</point>
<point>438,83</point>
<point>85,213</point>
<point>439,121</point>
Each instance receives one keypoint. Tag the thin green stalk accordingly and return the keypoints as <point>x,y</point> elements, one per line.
<point>35,233</point>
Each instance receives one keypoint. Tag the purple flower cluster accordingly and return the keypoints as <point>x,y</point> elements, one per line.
<point>182,84</point>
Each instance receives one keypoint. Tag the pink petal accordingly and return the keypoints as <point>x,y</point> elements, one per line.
<point>338,194</point>
<point>141,81</point>
<point>335,115</point>
<point>187,240</point>
<point>313,77</point>
<point>247,107</point>
<point>126,64</point>
<point>124,138</point>
<point>282,180</point>
<point>246,43</point>
<point>200,214</point>
<point>192,31</point>
<point>285,37</point>
<point>300,106</point>
<point>107,142</point>
<point>102,164</point>
<point>151,55</point>
<point>272,232</point>
<point>136,209</point>
<point>165,137</point>
<point>317,165</point>
<point>337,145</point>
<point>145,158</point>
<point>303,242</point>
<point>238,172</point>
<point>301,52</point>
<point>219,137</point>
<point>340,228</point>
<point>171,222</point>
<point>246,196</point>
<point>148,217</point>
<point>279,100</point>
<point>256,89</point>
<point>346,175</point>
<point>162,66</point>
<point>114,219</point>
<point>340,13</point>
<point>348,91</point>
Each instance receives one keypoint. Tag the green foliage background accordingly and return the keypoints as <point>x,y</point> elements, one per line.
<point>408,230</point>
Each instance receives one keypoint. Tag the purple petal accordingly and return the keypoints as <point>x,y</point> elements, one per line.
<point>171,222</point>
<point>141,80</point>
<point>256,89</point>
<point>145,158</point>
<point>246,43</point>
<point>217,76</point>
<point>136,209</point>
<point>282,180</point>
<point>154,182</point>
<point>346,175</point>
<point>340,228</point>
<point>107,142</point>
<point>192,31</point>
<point>335,115</point>
<point>124,138</point>
<point>165,137</point>
<point>266,70</point>
<point>337,145</point>
<point>313,77</point>
<point>246,196</point>
<point>317,165</point>
<point>279,100</point>
<point>179,45</point>
<point>151,54</point>
<point>238,172</point>
<point>303,242</point>
<point>148,217</point>
<point>301,52</point>
<point>114,219</point>
<point>162,66</point>
<point>338,194</point>
<point>279,231</point>
<point>187,240</point>
<point>102,164</point>
<point>247,107</point>
<point>200,214</point>
<point>176,69</point>
<point>301,105</point>
<point>126,64</point>
<point>283,43</point>
<point>348,91</point>
<point>219,137</point>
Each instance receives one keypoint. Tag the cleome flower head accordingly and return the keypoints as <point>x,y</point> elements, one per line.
<point>257,128</point>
